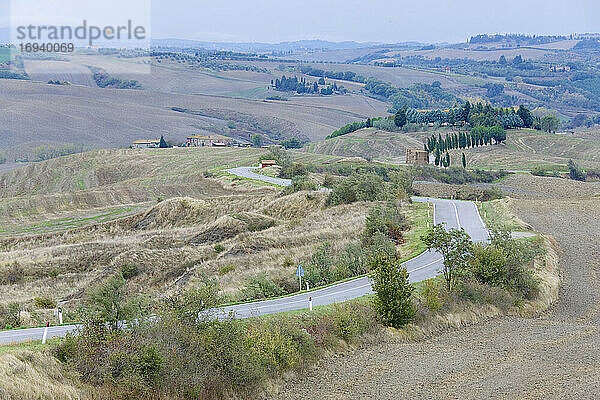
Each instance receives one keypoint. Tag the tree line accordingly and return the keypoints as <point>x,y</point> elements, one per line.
<point>301,85</point>
<point>478,136</point>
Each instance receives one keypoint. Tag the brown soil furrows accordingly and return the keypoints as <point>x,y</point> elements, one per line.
<point>556,355</point>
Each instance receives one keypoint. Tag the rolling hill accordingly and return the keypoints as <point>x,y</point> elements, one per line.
<point>523,149</point>
<point>371,144</point>
<point>38,113</point>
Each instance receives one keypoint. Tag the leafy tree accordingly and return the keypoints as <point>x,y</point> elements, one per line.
<point>526,116</point>
<point>502,60</point>
<point>163,144</point>
<point>400,118</point>
<point>393,300</point>
<point>257,140</point>
<point>575,172</point>
<point>455,246</point>
<point>292,143</point>
<point>550,123</point>
<point>347,129</point>
<point>321,81</point>
<point>108,302</point>
<point>358,187</point>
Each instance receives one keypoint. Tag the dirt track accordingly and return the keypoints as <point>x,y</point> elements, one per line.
<point>556,355</point>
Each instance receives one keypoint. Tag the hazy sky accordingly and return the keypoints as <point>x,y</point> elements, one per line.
<point>362,20</point>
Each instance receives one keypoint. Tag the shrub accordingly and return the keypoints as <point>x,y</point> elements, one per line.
<point>261,287</point>
<point>575,172</point>
<point>393,300</point>
<point>293,170</point>
<point>350,321</point>
<point>12,275</point>
<point>219,248</point>
<point>388,221</point>
<point>488,265</point>
<point>504,263</point>
<point>319,268</point>
<point>299,184</point>
<point>10,315</point>
<point>358,187</point>
<point>431,295</point>
<point>108,302</point>
<point>44,302</point>
<point>225,269</point>
<point>492,193</point>
<point>130,271</point>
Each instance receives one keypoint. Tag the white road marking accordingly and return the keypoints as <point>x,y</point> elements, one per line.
<point>456,213</point>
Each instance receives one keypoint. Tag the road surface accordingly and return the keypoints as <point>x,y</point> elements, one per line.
<point>453,214</point>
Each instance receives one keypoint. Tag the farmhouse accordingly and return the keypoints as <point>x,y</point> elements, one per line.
<point>417,157</point>
<point>267,163</point>
<point>210,141</point>
<point>145,144</point>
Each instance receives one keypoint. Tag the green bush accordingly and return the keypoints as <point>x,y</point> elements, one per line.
<point>388,220</point>
<point>300,183</point>
<point>293,170</point>
<point>219,248</point>
<point>319,268</point>
<point>130,271</point>
<point>432,295</point>
<point>575,172</point>
<point>44,302</point>
<point>393,300</point>
<point>108,302</point>
<point>225,269</point>
<point>261,287</point>
<point>350,320</point>
<point>358,187</point>
<point>10,315</point>
<point>488,265</point>
<point>492,193</point>
<point>505,263</point>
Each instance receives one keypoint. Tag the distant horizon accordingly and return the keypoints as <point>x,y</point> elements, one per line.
<point>376,21</point>
<point>5,30</point>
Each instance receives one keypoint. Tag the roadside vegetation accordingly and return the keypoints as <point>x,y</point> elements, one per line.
<point>187,353</point>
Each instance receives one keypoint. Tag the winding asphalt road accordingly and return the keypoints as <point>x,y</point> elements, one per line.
<point>453,214</point>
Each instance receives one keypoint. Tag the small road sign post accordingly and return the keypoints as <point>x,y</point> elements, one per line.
<point>300,274</point>
<point>310,303</point>
<point>45,335</point>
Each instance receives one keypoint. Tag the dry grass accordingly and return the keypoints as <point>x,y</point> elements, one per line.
<point>33,375</point>
<point>370,143</point>
<point>113,118</point>
<point>528,149</point>
<point>46,70</point>
<point>172,244</point>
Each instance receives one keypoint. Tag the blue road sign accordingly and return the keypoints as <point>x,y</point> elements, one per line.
<point>300,270</point>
